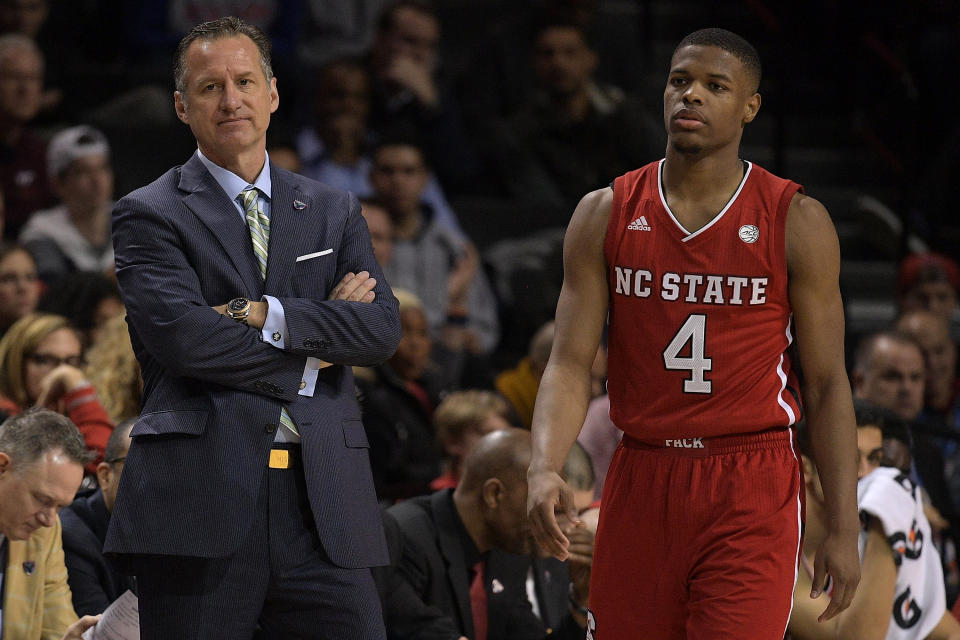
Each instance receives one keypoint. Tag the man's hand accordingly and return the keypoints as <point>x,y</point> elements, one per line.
<point>461,276</point>
<point>837,557</point>
<point>354,287</point>
<point>57,384</point>
<point>580,562</point>
<point>415,77</point>
<point>547,493</point>
<point>75,631</point>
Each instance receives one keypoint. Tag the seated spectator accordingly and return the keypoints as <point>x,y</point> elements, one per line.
<point>928,281</point>
<point>520,384</point>
<point>406,92</point>
<point>380,227</point>
<point>88,299</point>
<point>901,593</point>
<point>457,543</point>
<point>40,365</point>
<point>439,266</point>
<point>23,166</point>
<point>941,389</point>
<point>461,420</point>
<point>94,583</point>
<point>74,235</point>
<point>19,286</point>
<point>397,405</point>
<point>41,463</point>
<point>574,134</point>
<point>335,148</point>
<point>114,371</point>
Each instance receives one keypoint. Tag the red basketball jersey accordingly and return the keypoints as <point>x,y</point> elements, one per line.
<point>700,323</point>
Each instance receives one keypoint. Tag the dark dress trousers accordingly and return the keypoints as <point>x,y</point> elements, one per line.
<point>195,492</point>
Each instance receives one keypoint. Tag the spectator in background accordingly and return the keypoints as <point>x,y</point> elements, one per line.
<point>599,437</point>
<point>462,418</point>
<point>40,365</point>
<point>94,583</point>
<point>404,61</point>
<point>573,135</point>
<point>453,544</point>
<point>19,285</point>
<point>335,147</point>
<point>397,399</point>
<point>41,464</point>
<point>441,267</point>
<point>520,384</point>
<point>23,170</point>
<point>114,372</point>
<point>380,227</point>
<point>88,299</point>
<point>928,281</point>
<point>74,235</point>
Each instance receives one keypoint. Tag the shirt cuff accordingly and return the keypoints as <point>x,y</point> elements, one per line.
<point>274,330</point>
<point>309,382</point>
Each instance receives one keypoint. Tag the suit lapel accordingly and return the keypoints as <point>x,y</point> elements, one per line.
<point>285,231</point>
<point>214,208</point>
<point>447,527</point>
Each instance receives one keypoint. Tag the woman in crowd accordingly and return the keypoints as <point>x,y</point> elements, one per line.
<point>113,370</point>
<point>19,284</point>
<point>41,364</point>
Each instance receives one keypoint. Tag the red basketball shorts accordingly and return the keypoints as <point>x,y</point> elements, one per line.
<point>698,539</point>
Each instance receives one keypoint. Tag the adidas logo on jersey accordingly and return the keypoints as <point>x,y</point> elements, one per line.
<point>640,224</point>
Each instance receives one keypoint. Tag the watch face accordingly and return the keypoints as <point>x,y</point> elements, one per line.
<point>238,304</point>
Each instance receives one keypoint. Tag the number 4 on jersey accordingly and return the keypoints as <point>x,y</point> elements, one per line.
<point>694,331</point>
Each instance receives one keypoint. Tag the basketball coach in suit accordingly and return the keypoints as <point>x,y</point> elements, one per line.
<point>247,500</point>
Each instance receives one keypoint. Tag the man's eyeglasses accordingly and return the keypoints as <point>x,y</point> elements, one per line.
<point>50,361</point>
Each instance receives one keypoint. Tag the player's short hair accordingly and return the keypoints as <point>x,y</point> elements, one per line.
<point>730,42</point>
<point>118,442</point>
<point>892,426</point>
<point>220,28</point>
<point>28,436</point>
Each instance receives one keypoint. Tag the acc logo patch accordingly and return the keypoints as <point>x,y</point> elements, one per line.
<point>749,233</point>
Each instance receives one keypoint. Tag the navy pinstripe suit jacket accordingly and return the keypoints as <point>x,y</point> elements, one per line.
<point>213,390</point>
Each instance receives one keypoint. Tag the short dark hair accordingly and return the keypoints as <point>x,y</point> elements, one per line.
<point>220,28</point>
<point>117,444</point>
<point>578,468</point>
<point>730,42</point>
<point>28,436</point>
<point>892,426</point>
<point>555,21</point>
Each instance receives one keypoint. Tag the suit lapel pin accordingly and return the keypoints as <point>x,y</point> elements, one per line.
<point>299,205</point>
<point>29,566</point>
<point>496,586</point>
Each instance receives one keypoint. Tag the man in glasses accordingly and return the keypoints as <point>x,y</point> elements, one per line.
<point>93,582</point>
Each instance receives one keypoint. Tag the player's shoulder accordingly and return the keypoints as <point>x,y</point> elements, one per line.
<point>592,214</point>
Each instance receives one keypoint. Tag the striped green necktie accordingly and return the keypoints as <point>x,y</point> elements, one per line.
<point>259,225</point>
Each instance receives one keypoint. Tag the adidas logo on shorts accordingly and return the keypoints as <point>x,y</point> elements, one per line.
<point>640,224</point>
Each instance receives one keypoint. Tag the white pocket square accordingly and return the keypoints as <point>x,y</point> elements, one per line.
<point>314,255</point>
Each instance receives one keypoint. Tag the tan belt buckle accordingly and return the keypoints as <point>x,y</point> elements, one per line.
<point>279,459</point>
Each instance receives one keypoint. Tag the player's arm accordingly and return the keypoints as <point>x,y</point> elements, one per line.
<point>813,265</point>
<point>565,387</point>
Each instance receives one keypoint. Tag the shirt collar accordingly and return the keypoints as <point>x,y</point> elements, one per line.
<point>231,183</point>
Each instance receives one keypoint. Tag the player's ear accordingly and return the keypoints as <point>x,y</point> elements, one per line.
<point>751,108</point>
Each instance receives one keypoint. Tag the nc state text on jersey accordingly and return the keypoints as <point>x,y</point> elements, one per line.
<point>693,287</point>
